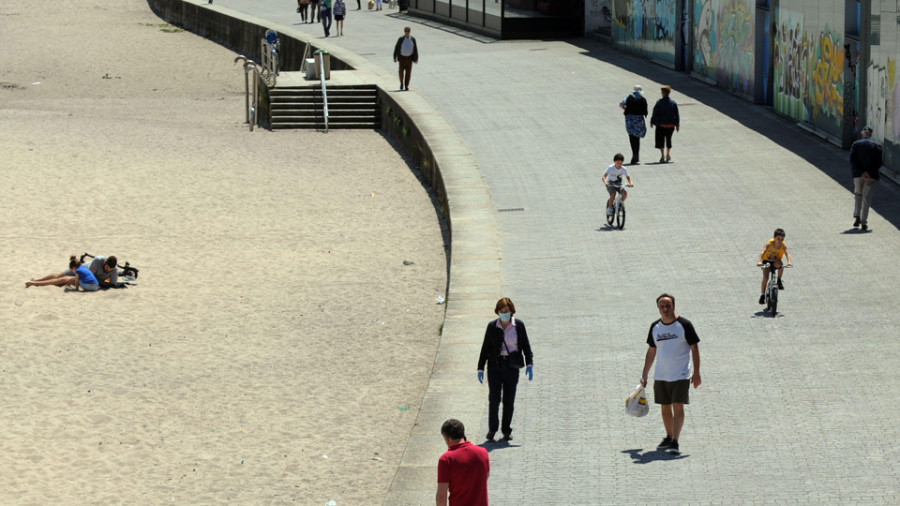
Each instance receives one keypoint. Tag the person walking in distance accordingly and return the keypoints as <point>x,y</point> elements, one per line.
<point>463,469</point>
<point>673,342</point>
<point>667,121</point>
<point>635,107</point>
<point>406,52</point>
<point>505,350</point>
<point>325,15</point>
<point>865,163</point>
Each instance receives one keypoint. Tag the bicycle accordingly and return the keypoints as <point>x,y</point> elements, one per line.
<point>618,213</point>
<point>772,287</point>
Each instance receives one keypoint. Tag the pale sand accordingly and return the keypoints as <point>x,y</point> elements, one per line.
<point>275,349</point>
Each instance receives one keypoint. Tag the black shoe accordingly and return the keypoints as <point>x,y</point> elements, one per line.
<point>664,444</point>
<point>662,159</point>
<point>506,437</point>
<point>780,285</point>
<point>856,222</point>
<point>762,299</point>
<point>490,435</point>
<point>864,227</point>
<point>673,448</point>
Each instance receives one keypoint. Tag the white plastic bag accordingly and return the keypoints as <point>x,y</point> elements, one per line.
<point>636,403</point>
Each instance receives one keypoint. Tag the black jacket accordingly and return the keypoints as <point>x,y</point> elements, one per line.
<point>493,343</point>
<point>415,55</point>
<point>865,156</point>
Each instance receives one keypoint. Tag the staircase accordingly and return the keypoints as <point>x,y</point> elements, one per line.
<point>349,106</point>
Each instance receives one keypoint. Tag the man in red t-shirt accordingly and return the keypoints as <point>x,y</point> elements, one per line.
<point>462,470</point>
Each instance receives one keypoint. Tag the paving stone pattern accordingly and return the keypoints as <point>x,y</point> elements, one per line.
<point>801,408</point>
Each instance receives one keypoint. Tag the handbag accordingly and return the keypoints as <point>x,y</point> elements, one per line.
<point>515,359</point>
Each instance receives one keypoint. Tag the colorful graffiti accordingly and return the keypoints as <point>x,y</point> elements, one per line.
<point>826,90</point>
<point>646,27</point>
<point>809,75</point>
<point>724,40</point>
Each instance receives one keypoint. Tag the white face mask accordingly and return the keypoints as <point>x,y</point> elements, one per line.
<point>504,317</point>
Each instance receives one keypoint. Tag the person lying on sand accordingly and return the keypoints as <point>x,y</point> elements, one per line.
<point>78,275</point>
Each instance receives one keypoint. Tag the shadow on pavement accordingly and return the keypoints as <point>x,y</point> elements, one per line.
<point>497,445</point>
<point>828,158</point>
<point>651,456</point>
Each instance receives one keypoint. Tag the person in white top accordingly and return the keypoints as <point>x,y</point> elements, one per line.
<point>674,342</point>
<point>612,178</point>
<point>406,51</point>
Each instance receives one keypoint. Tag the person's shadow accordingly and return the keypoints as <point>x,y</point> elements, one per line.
<point>651,456</point>
<point>497,445</point>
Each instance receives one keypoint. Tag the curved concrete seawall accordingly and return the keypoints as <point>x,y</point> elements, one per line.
<point>434,148</point>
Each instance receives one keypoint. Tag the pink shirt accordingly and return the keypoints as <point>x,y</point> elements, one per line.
<point>509,336</point>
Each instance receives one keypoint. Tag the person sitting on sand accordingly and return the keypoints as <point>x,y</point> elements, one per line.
<point>81,277</point>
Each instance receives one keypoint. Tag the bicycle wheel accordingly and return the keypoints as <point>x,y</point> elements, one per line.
<point>620,216</point>
<point>773,301</point>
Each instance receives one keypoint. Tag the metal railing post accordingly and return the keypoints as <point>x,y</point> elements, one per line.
<point>246,88</point>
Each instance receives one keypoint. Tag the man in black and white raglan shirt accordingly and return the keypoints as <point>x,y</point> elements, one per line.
<point>673,342</point>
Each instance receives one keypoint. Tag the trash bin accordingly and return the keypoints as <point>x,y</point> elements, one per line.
<point>310,68</point>
<point>323,55</point>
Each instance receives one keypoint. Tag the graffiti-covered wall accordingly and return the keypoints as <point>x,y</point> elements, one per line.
<point>883,90</point>
<point>597,15</point>
<point>723,43</point>
<point>809,63</point>
<point>646,27</point>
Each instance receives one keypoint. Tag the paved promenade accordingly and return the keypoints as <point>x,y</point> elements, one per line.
<point>797,409</point>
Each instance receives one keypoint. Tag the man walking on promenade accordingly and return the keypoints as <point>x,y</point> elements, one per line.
<point>462,470</point>
<point>673,341</point>
<point>865,163</point>
<point>406,51</point>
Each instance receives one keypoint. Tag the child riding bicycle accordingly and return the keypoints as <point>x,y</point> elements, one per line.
<point>612,178</point>
<point>772,252</point>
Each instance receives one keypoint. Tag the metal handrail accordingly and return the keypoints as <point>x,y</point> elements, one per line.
<point>250,66</point>
<point>270,62</point>
<point>305,56</point>
<point>246,87</point>
<point>324,90</point>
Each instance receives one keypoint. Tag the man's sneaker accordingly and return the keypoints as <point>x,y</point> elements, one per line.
<point>762,299</point>
<point>490,435</point>
<point>780,285</point>
<point>673,448</point>
<point>856,222</point>
<point>664,444</point>
<point>609,211</point>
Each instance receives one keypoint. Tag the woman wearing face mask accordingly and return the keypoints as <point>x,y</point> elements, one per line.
<point>505,350</point>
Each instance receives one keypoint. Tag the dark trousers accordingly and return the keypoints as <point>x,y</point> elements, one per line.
<point>406,64</point>
<point>664,137</point>
<point>502,384</point>
<point>635,148</point>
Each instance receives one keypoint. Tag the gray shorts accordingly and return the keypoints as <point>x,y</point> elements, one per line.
<point>670,392</point>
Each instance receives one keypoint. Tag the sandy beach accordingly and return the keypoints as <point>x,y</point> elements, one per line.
<point>275,348</point>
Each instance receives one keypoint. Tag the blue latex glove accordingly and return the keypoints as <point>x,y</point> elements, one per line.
<point>529,372</point>
<point>481,376</point>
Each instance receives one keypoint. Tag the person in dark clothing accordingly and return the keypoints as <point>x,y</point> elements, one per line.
<point>635,106</point>
<point>865,164</point>
<point>667,121</point>
<point>406,51</point>
<point>505,343</point>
